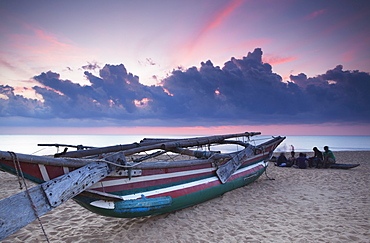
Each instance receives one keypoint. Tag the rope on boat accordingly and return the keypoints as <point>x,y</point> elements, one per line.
<point>20,174</point>
<point>38,150</point>
<point>171,158</point>
<point>174,157</point>
<point>266,166</point>
<point>268,178</point>
<point>14,157</point>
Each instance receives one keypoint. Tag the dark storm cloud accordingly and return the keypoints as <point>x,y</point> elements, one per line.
<point>338,95</point>
<point>244,91</point>
<point>16,105</point>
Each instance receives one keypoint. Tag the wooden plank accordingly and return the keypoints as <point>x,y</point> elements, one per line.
<point>169,164</point>
<point>195,153</point>
<point>17,211</point>
<point>190,142</point>
<point>146,141</point>
<point>65,145</point>
<point>65,187</point>
<point>225,171</point>
<point>156,144</point>
<point>44,160</point>
<point>102,150</point>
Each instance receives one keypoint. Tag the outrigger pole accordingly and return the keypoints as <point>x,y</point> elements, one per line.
<point>149,144</point>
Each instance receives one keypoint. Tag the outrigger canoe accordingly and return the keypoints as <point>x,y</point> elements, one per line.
<point>343,166</point>
<point>126,180</point>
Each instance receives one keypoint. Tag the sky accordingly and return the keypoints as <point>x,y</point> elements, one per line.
<point>185,67</point>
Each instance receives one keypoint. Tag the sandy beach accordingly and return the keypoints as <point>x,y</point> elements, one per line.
<point>311,205</point>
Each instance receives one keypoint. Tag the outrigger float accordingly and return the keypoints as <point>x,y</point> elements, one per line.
<point>126,181</point>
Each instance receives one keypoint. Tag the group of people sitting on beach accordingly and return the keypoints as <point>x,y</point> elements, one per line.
<point>319,159</point>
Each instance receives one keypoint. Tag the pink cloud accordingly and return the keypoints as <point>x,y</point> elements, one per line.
<point>52,40</point>
<point>8,65</point>
<point>214,21</point>
<point>349,55</point>
<point>219,17</point>
<point>33,50</point>
<point>39,41</point>
<point>36,45</point>
<point>354,47</point>
<point>275,60</point>
<point>315,14</point>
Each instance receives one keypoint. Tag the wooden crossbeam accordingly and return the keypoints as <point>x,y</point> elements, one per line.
<point>21,209</point>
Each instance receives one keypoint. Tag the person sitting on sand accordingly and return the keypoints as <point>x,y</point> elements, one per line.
<point>317,158</point>
<point>329,157</point>
<point>282,161</point>
<point>302,162</point>
<point>292,158</point>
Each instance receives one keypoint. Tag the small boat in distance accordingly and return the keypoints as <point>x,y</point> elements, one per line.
<point>133,180</point>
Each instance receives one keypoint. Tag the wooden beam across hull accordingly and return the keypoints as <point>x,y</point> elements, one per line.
<point>21,209</point>
<point>148,144</point>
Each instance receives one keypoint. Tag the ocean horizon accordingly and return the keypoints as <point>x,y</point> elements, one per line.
<point>28,144</point>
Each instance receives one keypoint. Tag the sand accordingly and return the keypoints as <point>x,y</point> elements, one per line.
<point>312,205</point>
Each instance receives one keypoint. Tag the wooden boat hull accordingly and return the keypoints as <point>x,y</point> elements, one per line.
<point>142,192</point>
<point>184,194</point>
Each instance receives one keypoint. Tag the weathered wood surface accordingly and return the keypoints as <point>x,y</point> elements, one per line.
<point>65,145</point>
<point>190,142</point>
<point>44,160</point>
<point>17,211</point>
<point>169,164</point>
<point>148,144</point>
<point>195,153</point>
<point>157,140</point>
<point>225,171</point>
<point>178,164</point>
<point>65,187</point>
<point>102,150</point>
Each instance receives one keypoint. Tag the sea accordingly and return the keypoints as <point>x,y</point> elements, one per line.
<point>28,144</point>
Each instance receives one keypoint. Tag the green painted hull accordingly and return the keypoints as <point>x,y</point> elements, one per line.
<point>178,202</point>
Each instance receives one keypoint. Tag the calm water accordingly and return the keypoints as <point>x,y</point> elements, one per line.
<point>28,143</point>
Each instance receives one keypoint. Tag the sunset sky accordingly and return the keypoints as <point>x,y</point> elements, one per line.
<point>185,67</point>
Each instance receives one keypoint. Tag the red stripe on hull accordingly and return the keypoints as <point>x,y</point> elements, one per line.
<point>156,182</point>
<point>173,170</point>
<point>54,171</point>
<point>31,169</point>
<point>34,169</point>
<point>185,191</point>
